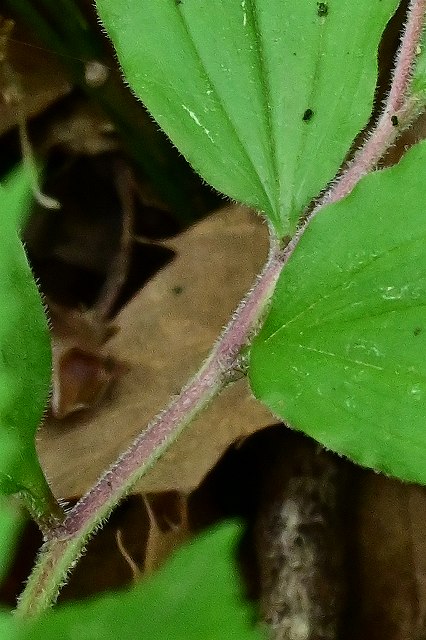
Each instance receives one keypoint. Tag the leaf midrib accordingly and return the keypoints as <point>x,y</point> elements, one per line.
<point>221,104</point>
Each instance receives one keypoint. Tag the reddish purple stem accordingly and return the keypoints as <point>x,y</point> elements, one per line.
<point>163,429</point>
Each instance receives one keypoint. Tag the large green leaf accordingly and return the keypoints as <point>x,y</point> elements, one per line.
<point>263,97</point>
<point>196,596</point>
<point>9,629</point>
<point>25,363</point>
<point>342,354</point>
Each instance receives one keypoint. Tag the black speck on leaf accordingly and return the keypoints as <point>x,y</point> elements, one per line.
<point>322,9</point>
<point>177,290</point>
<point>417,331</point>
<point>394,120</point>
<point>307,115</point>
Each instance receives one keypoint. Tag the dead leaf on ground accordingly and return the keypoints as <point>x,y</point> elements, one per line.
<point>164,334</point>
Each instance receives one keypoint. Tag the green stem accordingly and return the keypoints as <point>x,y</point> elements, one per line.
<point>42,505</point>
<point>66,542</point>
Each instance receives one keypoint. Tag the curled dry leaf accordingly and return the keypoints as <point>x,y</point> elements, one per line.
<point>82,371</point>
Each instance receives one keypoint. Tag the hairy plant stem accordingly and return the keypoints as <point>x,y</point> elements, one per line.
<point>65,543</point>
<point>43,507</point>
<point>398,113</point>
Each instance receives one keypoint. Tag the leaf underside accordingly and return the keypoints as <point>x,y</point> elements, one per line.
<point>263,97</point>
<point>342,354</point>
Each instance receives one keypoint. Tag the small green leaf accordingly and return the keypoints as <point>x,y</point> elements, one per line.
<point>25,361</point>
<point>196,596</point>
<point>263,97</point>
<point>342,354</point>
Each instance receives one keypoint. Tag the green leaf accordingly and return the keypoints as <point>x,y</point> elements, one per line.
<point>10,629</point>
<point>10,514</point>
<point>263,97</point>
<point>195,596</point>
<point>10,524</point>
<point>25,361</point>
<point>342,354</point>
<point>418,86</point>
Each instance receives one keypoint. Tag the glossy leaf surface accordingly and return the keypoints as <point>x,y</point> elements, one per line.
<point>25,363</point>
<point>263,97</point>
<point>196,596</point>
<point>342,354</point>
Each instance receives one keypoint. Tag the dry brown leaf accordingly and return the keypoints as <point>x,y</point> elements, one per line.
<point>165,333</point>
